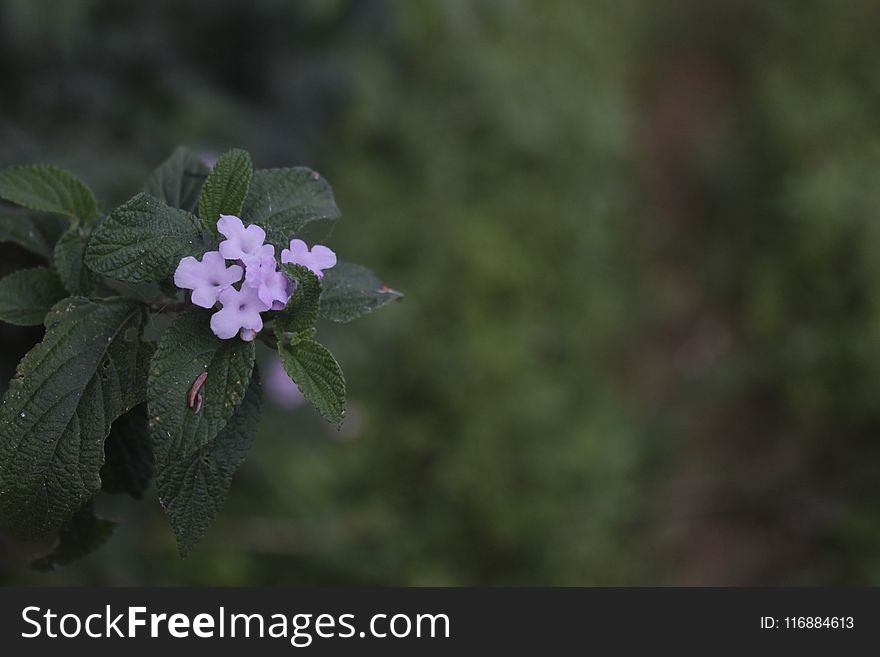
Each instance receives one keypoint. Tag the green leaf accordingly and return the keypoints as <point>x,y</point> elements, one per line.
<point>28,294</point>
<point>298,318</point>
<point>178,180</point>
<point>36,235</point>
<point>318,375</point>
<point>143,240</point>
<point>194,484</point>
<point>47,188</point>
<point>188,349</point>
<point>284,201</point>
<point>128,455</point>
<point>69,263</point>
<point>68,390</point>
<point>351,290</point>
<point>226,187</point>
<point>79,536</point>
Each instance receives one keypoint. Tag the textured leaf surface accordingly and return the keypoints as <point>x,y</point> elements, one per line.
<point>143,240</point>
<point>68,390</point>
<point>79,536</point>
<point>70,264</point>
<point>48,188</point>
<point>351,290</point>
<point>28,294</point>
<point>194,484</point>
<point>318,375</point>
<point>226,187</point>
<point>298,318</point>
<point>284,201</point>
<point>178,181</point>
<point>187,349</point>
<point>128,455</point>
<point>37,235</point>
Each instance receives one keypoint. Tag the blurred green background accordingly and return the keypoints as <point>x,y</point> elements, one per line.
<point>640,244</point>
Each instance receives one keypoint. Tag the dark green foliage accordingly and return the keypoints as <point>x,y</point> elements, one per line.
<point>36,234</point>
<point>178,181</point>
<point>47,188</point>
<point>79,536</point>
<point>69,262</point>
<point>27,295</point>
<point>285,201</point>
<point>310,365</point>
<point>143,240</point>
<point>133,252</point>
<point>226,187</point>
<point>318,375</point>
<point>195,477</point>
<point>188,349</point>
<point>94,406</point>
<point>299,317</point>
<point>351,291</point>
<point>128,455</point>
<point>59,407</point>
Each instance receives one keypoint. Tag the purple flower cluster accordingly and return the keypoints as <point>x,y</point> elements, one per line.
<point>263,287</point>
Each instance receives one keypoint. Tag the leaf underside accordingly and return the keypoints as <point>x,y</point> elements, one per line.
<point>178,181</point>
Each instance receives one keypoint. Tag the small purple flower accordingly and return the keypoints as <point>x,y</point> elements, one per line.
<point>272,285</point>
<point>264,287</point>
<point>318,259</point>
<point>207,279</point>
<point>240,313</point>
<point>241,243</point>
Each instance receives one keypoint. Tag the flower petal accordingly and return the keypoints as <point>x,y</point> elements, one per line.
<point>241,310</point>
<point>186,276</point>
<point>241,242</point>
<point>225,324</point>
<point>322,257</point>
<point>205,297</point>
<point>229,225</point>
<point>296,253</point>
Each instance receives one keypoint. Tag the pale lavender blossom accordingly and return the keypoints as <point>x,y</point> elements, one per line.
<point>264,287</point>
<point>207,279</point>
<point>318,259</point>
<point>240,314</point>
<point>272,285</point>
<point>242,243</point>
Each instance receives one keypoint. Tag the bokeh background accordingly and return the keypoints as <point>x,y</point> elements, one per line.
<point>640,243</point>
